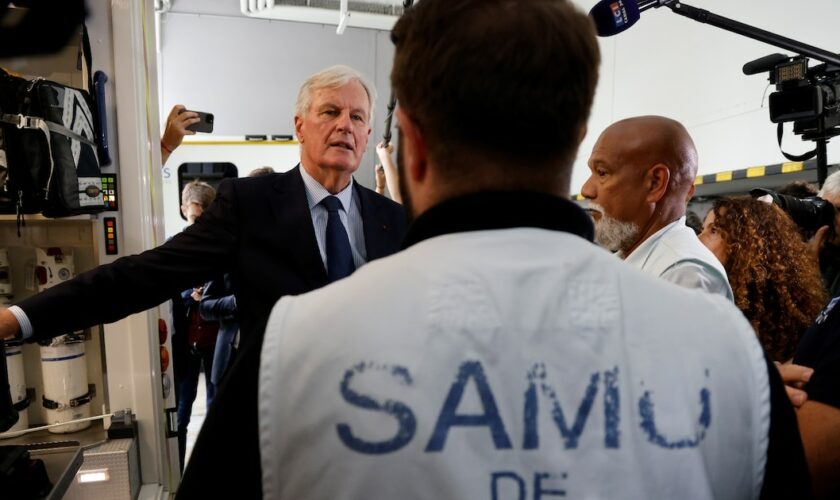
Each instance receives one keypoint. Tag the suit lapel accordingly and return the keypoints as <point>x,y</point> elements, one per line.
<point>294,226</point>
<point>376,227</point>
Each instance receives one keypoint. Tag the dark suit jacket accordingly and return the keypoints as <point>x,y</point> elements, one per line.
<point>259,229</point>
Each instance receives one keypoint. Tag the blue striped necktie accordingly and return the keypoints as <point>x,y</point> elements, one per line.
<point>339,255</point>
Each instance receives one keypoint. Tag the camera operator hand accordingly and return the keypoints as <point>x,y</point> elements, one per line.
<point>817,242</point>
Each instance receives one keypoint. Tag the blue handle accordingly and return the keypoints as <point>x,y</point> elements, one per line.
<point>99,79</point>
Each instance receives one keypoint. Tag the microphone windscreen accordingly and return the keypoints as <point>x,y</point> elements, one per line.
<point>614,16</point>
<point>764,64</point>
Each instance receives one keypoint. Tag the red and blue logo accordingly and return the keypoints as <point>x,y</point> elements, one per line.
<point>617,15</point>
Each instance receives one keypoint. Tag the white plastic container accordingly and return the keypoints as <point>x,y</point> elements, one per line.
<point>65,380</point>
<point>17,383</point>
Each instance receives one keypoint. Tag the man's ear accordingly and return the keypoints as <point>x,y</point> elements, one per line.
<point>299,128</point>
<point>690,193</point>
<point>582,133</point>
<point>415,152</point>
<point>656,182</point>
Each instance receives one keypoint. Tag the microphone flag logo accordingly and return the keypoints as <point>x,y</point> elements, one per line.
<point>617,14</point>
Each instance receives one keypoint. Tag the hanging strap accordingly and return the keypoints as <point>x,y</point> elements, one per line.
<point>62,130</point>
<point>803,157</point>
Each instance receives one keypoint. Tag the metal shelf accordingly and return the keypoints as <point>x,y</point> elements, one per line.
<point>41,218</point>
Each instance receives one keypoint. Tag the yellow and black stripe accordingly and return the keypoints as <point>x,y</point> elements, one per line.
<point>804,171</point>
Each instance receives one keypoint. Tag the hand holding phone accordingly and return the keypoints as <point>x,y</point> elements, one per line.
<point>204,124</point>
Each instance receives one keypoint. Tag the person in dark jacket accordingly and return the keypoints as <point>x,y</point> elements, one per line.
<point>219,304</point>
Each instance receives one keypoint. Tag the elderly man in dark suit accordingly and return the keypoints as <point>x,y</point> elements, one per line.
<point>269,232</point>
<point>279,234</point>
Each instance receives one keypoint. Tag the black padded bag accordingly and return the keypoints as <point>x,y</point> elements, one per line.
<point>48,143</point>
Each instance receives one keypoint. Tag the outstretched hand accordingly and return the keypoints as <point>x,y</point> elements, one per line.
<point>9,326</point>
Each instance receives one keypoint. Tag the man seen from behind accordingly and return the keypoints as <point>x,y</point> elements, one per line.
<point>501,354</point>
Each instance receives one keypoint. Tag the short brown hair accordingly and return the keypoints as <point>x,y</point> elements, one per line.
<point>198,192</point>
<point>506,80</point>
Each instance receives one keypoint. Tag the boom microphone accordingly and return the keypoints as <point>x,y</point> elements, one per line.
<point>614,16</point>
<point>611,17</point>
<point>764,64</point>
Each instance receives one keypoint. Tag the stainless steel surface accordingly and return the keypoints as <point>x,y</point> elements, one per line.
<point>118,459</point>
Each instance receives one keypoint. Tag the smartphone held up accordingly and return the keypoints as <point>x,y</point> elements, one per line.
<point>205,123</point>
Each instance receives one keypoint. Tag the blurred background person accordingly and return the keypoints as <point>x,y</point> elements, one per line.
<point>825,242</point>
<point>694,221</point>
<point>775,280</point>
<point>193,339</point>
<point>798,189</point>
<point>261,171</point>
<point>219,304</point>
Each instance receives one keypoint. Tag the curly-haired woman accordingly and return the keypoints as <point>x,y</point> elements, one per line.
<point>775,280</point>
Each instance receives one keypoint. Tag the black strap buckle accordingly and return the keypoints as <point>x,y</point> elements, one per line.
<point>75,402</point>
<point>22,404</point>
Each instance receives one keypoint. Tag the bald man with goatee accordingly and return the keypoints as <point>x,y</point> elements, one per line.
<point>642,176</point>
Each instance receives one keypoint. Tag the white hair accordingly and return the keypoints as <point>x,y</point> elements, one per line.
<point>831,187</point>
<point>332,77</point>
<point>613,234</point>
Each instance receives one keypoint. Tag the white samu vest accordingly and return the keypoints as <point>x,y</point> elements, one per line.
<point>510,364</point>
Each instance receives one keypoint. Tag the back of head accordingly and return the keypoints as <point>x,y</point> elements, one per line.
<point>257,172</point>
<point>199,193</point>
<point>831,188</point>
<point>800,189</point>
<point>505,82</point>
<point>694,221</point>
<point>775,282</point>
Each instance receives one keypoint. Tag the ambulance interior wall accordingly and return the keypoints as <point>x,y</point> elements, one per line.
<point>81,235</point>
<point>247,71</point>
<point>72,236</point>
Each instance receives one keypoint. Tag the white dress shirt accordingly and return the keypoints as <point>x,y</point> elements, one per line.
<point>350,216</point>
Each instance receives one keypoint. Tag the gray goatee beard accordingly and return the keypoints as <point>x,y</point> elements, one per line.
<point>613,234</point>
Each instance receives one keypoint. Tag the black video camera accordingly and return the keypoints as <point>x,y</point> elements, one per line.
<point>809,213</point>
<point>808,97</point>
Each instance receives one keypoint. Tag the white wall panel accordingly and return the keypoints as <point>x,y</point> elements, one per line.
<point>247,72</point>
